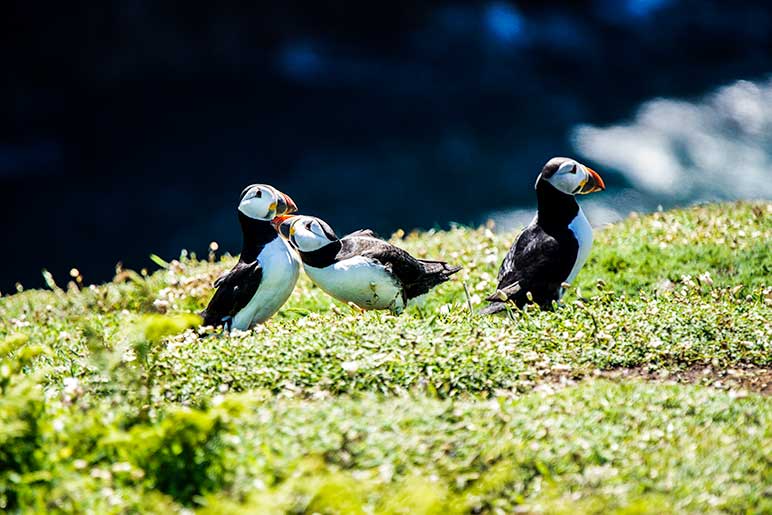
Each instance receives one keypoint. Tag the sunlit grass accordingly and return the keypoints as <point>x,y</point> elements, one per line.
<point>436,410</point>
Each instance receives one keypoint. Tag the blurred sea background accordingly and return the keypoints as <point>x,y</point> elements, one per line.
<point>129,128</point>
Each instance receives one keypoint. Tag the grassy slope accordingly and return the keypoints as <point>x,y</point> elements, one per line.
<point>439,409</point>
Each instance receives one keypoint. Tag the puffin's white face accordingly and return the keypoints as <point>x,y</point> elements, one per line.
<point>306,233</point>
<point>571,177</point>
<point>264,202</point>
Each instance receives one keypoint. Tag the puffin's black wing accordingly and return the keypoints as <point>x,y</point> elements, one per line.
<point>537,262</point>
<point>365,233</point>
<point>417,276</point>
<point>234,291</point>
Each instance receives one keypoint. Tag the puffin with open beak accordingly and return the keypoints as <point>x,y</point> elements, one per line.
<point>267,270</point>
<point>549,252</point>
<point>361,268</point>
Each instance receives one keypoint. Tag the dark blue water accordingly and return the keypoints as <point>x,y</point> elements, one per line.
<point>131,130</point>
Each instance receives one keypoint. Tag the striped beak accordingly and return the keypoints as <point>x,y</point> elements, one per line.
<point>283,225</point>
<point>593,182</point>
<point>285,205</point>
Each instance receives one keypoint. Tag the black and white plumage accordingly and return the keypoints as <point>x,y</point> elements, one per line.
<point>267,270</point>
<point>556,244</point>
<point>361,268</point>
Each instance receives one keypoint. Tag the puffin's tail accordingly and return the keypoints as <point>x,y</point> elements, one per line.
<point>499,299</point>
<point>435,272</point>
<point>493,308</point>
<point>210,318</point>
<point>206,317</point>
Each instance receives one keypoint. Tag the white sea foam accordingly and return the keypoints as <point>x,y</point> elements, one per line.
<point>674,151</point>
<point>677,152</point>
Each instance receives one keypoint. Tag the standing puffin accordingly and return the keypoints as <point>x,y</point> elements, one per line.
<point>361,268</point>
<point>553,248</point>
<point>267,270</point>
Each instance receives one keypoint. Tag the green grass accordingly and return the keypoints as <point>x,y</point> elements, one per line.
<point>108,407</point>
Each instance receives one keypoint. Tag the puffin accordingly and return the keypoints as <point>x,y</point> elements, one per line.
<point>361,268</point>
<point>548,254</point>
<point>267,270</point>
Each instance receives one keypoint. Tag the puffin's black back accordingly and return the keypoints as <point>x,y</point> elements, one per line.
<point>235,288</point>
<point>542,256</point>
<point>417,276</point>
<point>234,291</point>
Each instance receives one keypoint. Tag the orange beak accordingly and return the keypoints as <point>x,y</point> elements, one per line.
<point>280,225</point>
<point>594,182</point>
<point>286,205</point>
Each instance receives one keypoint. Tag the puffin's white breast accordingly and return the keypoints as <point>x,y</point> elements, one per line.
<point>582,230</point>
<point>360,280</point>
<point>281,268</point>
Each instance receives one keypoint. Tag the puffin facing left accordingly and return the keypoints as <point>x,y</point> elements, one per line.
<point>361,268</point>
<point>266,273</point>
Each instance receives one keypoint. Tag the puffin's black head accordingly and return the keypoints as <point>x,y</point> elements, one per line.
<point>570,177</point>
<point>264,202</point>
<point>305,233</point>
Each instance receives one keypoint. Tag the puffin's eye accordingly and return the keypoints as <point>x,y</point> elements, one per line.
<point>258,193</point>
